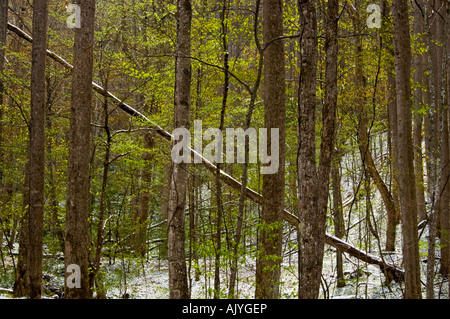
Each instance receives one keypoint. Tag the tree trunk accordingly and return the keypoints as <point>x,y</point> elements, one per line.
<point>243,186</point>
<point>434,148</point>
<point>418,117</point>
<point>271,234</point>
<point>364,139</point>
<point>307,173</point>
<point>444,187</point>
<point>328,126</point>
<point>144,195</point>
<point>218,183</point>
<point>96,275</point>
<point>445,222</point>
<point>178,283</point>
<point>338,217</point>
<point>405,153</point>
<point>3,31</point>
<point>77,207</point>
<point>314,184</point>
<point>393,217</point>
<point>37,147</point>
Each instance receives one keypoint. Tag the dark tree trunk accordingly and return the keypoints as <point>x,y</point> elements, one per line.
<point>3,31</point>
<point>338,217</point>
<point>406,179</point>
<point>418,117</point>
<point>314,183</point>
<point>271,234</point>
<point>307,173</point>
<point>77,207</point>
<point>444,187</point>
<point>37,147</point>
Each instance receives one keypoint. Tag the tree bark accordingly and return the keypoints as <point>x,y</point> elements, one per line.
<point>445,222</point>
<point>22,275</point>
<point>444,187</point>
<point>77,207</point>
<point>178,283</point>
<point>314,183</point>
<point>3,31</point>
<point>95,275</point>
<point>37,147</point>
<point>268,269</point>
<point>307,173</point>
<point>418,117</point>
<point>338,217</point>
<point>434,148</point>
<point>406,177</point>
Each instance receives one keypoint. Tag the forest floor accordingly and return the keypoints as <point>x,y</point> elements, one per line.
<point>140,279</point>
<point>148,279</point>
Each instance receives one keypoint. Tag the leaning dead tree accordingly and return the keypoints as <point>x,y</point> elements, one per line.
<point>391,272</point>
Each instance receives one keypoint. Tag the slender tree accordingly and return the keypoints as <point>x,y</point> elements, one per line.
<point>338,216</point>
<point>178,283</point>
<point>444,169</point>
<point>77,207</point>
<point>3,29</point>
<point>271,235</point>
<point>307,172</point>
<point>406,179</point>
<point>253,91</point>
<point>37,147</point>
<point>418,117</point>
<point>314,182</point>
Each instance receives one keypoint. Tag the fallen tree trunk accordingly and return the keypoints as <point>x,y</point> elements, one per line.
<point>392,272</point>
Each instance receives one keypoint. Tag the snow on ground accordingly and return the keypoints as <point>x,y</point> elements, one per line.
<point>141,279</point>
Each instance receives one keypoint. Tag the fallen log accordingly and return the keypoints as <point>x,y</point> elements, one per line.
<point>392,272</point>
<point>6,291</point>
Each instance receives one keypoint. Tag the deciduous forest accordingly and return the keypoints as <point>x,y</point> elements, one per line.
<point>190,149</point>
